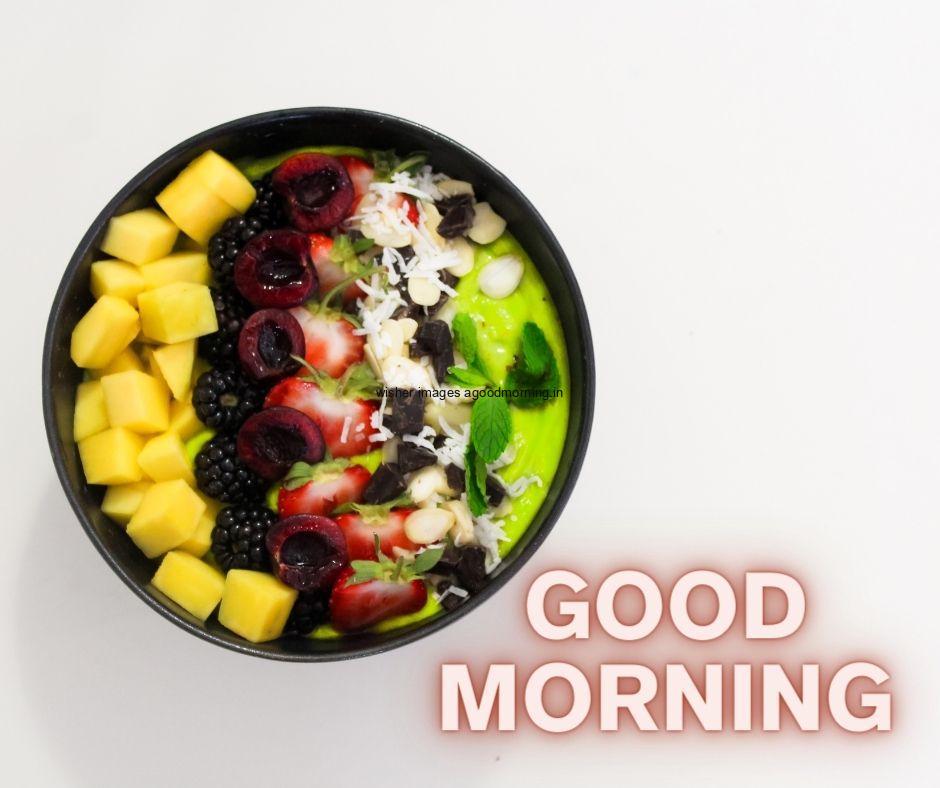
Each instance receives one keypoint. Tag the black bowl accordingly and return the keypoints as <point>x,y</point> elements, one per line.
<point>269,133</point>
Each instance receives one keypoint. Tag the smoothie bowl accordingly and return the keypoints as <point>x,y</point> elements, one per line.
<point>317,382</point>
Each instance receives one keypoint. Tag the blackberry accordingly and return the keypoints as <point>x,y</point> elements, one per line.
<point>231,311</point>
<point>264,213</point>
<point>224,398</point>
<point>309,611</point>
<point>238,537</point>
<point>220,474</point>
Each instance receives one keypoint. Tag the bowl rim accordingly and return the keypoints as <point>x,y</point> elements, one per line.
<point>588,390</point>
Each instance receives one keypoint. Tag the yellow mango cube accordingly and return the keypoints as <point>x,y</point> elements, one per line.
<point>224,180</point>
<point>140,236</point>
<point>91,415</point>
<point>199,543</point>
<point>110,457</point>
<point>137,401</point>
<point>192,584</point>
<point>116,278</point>
<point>177,267</point>
<point>183,419</point>
<point>104,331</point>
<point>175,363</point>
<point>167,517</point>
<point>163,459</point>
<point>193,207</point>
<point>123,361</point>
<point>177,312</point>
<point>122,500</point>
<point>255,605</point>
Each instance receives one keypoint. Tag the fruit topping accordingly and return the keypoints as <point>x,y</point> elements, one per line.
<point>316,189</point>
<point>309,611</point>
<point>319,489</point>
<point>231,310</point>
<point>263,214</point>
<point>269,343</point>
<point>362,525</point>
<point>407,412</point>
<point>238,537</point>
<point>434,339</point>
<point>308,551</point>
<point>271,441</point>
<point>331,345</point>
<point>346,424</point>
<point>456,215</point>
<point>386,484</point>
<point>274,270</point>
<point>224,398</point>
<point>220,474</point>
<point>371,591</point>
<point>412,457</point>
<point>331,260</point>
<point>361,173</point>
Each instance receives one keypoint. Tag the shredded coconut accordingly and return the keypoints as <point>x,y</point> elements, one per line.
<point>489,533</point>
<point>344,435</point>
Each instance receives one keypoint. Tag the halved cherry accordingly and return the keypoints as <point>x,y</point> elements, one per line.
<point>308,551</point>
<point>317,191</point>
<point>274,270</point>
<point>268,342</point>
<point>274,439</point>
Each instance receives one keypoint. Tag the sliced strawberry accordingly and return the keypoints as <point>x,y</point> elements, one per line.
<point>361,532</point>
<point>361,174</point>
<point>329,272</point>
<point>323,495</point>
<point>354,607</point>
<point>334,416</point>
<point>398,200</point>
<point>331,345</point>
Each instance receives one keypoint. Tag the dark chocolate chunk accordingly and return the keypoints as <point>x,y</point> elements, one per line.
<point>407,415</point>
<point>412,457</point>
<point>448,601</point>
<point>495,492</point>
<point>386,483</point>
<point>455,478</point>
<point>434,339</point>
<point>456,215</point>
<point>471,568</point>
<point>447,563</point>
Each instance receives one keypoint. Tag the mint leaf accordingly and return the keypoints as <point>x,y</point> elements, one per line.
<point>467,377</point>
<point>476,492</point>
<point>465,336</point>
<point>384,163</point>
<point>536,354</point>
<point>427,559</point>
<point>490,427</point>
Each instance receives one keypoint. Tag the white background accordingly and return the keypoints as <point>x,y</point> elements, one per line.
<point>749,193</point>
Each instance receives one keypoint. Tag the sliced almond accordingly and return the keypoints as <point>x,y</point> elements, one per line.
<point>463,249</point>
<point>403,373</point>
<point>427,482</point>
<point>462,530</point>
<point>500,277</point>
<point>423,291</point>
<point>390,341</point>
<point>409,328</point>
<point>487,224</point>
<point>427,526</point>
<point>451,188</point>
